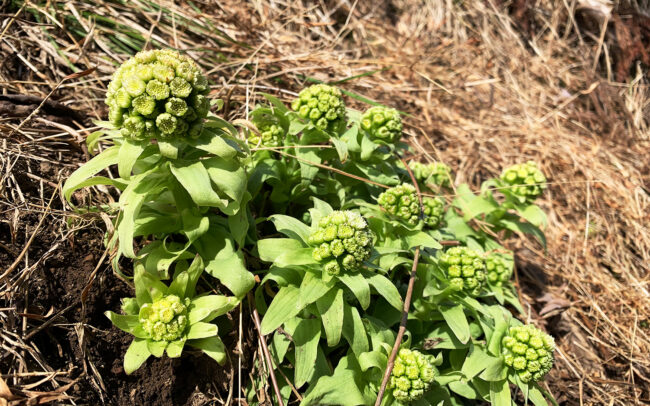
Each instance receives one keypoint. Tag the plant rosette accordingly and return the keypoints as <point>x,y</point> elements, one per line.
<point>163,319</point>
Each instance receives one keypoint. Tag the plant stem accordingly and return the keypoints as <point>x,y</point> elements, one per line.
<point>407,303</point>
<point>265,349</point>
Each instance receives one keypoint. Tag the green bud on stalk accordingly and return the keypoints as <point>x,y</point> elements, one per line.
<point>342,241</point>
<point>499,269</point>
<point>382,123</point>
<point>412,375</point>
<point>158,93</point>
<point>524,180</point>
<point>436,173</point>
<point>528,351</point>
<point>321,104</point>
<point>464,268</point>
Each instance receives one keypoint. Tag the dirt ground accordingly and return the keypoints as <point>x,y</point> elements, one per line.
<point>486,84</point>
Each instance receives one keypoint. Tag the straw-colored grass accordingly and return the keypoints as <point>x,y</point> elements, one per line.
<point>481,93</point>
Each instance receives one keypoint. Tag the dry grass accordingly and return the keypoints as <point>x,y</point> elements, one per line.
<point>481,94</point>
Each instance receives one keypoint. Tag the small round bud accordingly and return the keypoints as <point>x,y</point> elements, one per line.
<point>464,268</point>
<point>436,173</point>
<point>525,180</point>
<point>165,319</point>
<point>382,123</point>
<point>522,351</point>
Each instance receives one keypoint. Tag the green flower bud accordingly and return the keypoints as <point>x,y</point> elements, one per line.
<point>270,135</point>
<point>434,211</point>
<point>525,180</point>
<point>321,104</point>
<point>464,268</point>
<point>402,202</point>
<point>382,123</point>
<point>342,240</point>
<point>499,268</point>
<point>165,319</point>
<point>528,351</point>
<point>412,375</point>
<point>154,84</point>
<point>436,173</point>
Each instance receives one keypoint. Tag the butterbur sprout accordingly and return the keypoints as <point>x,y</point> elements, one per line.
<point>437,173</point>
<point>464,268</point>
<point>342,241</point>
<point>412,375</point>
<point>401,202</point>
<point>321,104</point>
<point>382,123</point>
<point>528,351</point>
<point>433,210</point>
<point>499,269</point>
<point>158,93</point>
<point>525,181</point>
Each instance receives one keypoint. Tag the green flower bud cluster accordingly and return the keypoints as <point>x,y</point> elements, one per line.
<point>382,123</point>
<point>529,351</point>
<point>158,93</point>
<point>433,209</point>
<point>437,173</point>
<point>464,268</point>
<point>402,202</point>
<point>323,105</point>
<point>412,375</point>
<point>499,269</point>
<point>165,319</point>
<point>342,240</point>
<point>526,180</point>
<point>270,135</point>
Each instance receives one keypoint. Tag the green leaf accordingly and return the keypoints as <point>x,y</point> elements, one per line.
<point>129,153</point>
<point>339,389</point>
<point>291,227</point>
<point>147,287</point>
<point>420,239</point>
<point>476,362</point>
<point>538,396</point>
<point>128,323</point>
<point>202,330</point>
<point>136,355</point>
<point>373,359</point>
<point>305,339</point>
<point>214,144</point>
<point>500,394</point>
<point>341,147</point>
<point>534,215</point>
<point>353,330</point>
<point>495,370</point>
<point>385,288</point>
<point>212,346</point>
<point>102,161</point>
<point>330,307</point>
<point>228,175</point>
<point>367,147</point>
<point>359,286</point>
<point>156,348</point>
<point>524,228</point>
<point>206,308</point>
<point>175,348</point>
<point>271,248</point>
<point>285,305</point>
<point>225,263</point>
<point>312,288</point>
<point>196,180</point>
<point>464,389</point>
<point>455,318</point>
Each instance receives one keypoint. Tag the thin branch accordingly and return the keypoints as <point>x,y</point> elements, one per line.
<point>265,349</point>
<point>407,304</point>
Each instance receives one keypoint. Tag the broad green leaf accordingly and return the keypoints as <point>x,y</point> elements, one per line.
<point>195,179</point>
<point>373,359</point>
<point>367,147</point>
<point>228,175</point>
<point>341,147</point>
<point>305,340</point>
<point>455,318</point>
<point>136,355</point>
<point>495,370</point>
<point>291,227</point>
<point>225,263</point>
<point>201,330</point>
<point>312,288</point>
<point>536,395</point>
<point>420,239</point>
<point>524,228</point>
<point>534,215</point>
<point>212,346</point>
<point>206,308</point>
<point>214,144</point>
<point>500,394</point>
<point>320,210</point>
<point>285,305</point>
<point>129,323</point>
<point>270,249</point>
<point>464,389</point>
<point>102,161</point>
<point>476,362</point>
<point>359,286</point>
<point>175,348</point>
<point>353,330</point>
<point>338,389</point>
<point>385,288</point>
<point>330,307</point>
<point>147,287</point>
<point>130,151</point>
<point>238,224</point>
<point>156,348</point>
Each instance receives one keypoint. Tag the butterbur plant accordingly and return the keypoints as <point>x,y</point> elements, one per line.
<point>312,198</point>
